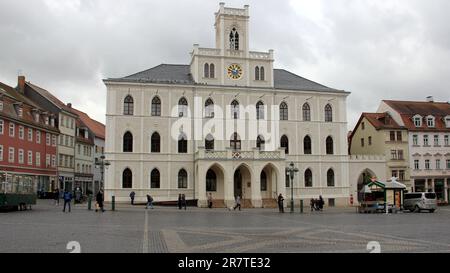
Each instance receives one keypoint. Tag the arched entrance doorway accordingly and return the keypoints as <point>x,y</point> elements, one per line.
<point>242,184</point>
<point>215,181</point>
<point>268,182</point>
<point>364,178</point>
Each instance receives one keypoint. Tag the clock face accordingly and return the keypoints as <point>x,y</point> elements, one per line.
<point>234,71</point>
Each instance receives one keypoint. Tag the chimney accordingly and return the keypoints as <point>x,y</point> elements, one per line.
<point>21,84</point>
<point>430,99</point>
<point>69,105</point>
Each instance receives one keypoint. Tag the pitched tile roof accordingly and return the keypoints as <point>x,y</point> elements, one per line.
<point>408,109</point>
<point>49,96</point>
<point>9,110</point>
<point>381,121</point>
<point>180,74</point>
<point>96,127</point>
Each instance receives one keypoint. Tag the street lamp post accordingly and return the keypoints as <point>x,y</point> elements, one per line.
<point>102,164</point>
<point>291,170</point>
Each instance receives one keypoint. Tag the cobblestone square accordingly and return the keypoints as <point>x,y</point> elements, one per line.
<point>166,229</point>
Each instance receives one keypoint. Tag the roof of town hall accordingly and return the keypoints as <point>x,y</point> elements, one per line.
<point>96,127</point>
<point>408,109</point>
<point>180,74</point>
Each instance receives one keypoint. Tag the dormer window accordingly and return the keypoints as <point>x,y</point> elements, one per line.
<point>1,105</point>
<point>36,117</point>
<point>417,121</point>
<point>430,121</point>
<point>19,111</point>
<point>47,120</point>
<point>447,121</point>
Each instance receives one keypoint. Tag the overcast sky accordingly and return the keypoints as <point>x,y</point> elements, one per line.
<point>377,49</point>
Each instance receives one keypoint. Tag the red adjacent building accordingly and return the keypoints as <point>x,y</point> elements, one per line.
<point>28,142</point>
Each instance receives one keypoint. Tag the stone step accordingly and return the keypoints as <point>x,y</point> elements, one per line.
<point>269,203</point>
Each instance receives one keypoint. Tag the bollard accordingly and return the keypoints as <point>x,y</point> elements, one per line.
<point>301,206</point>
<point>113,203</point>
<point>89,202</point>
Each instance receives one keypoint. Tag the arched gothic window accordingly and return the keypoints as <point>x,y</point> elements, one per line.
<point>234,39</point>
<point>328,113</point>
<point>308,178</point>
<point>330,178</point>
<point>206,71</point>
<point>235,109</point>
<point>307,146</point>
<point>235,142</point>
<point>127,179</point>
<point>156,143</point>
<point>156,107</point>
<point>128,142</point>
<point>211,71</point>
<point>182,107</point>
<point>209,108</point>
<point>306,112</point>
<point>285,143</point>
<point>260,110</point>
<point>182,179</point>
<point>257,73</point>
<point>155,179</point>
<point>128,105</point>
<point>329,145</point>
<point>182,144</point>
<point>260,142</point>
<point>284,111</point>
<point>209,142</point>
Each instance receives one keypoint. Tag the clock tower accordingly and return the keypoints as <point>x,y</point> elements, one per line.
<point>231,63</point>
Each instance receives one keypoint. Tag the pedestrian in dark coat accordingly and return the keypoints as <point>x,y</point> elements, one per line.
<point>100,198</point>
<point>280,203</point>
<point>179,201</point>
<point>149,201</point>
<point>132,195</point>
<point>321,202</point>
<point>67,200</point>
<point>183,201</point>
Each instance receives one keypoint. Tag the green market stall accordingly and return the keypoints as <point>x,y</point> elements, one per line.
<point>377,195</point>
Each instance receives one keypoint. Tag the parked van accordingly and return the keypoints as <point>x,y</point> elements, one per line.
<point>417,201</point>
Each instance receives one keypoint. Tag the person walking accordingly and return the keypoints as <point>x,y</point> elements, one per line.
<point>280,203</point>
<point>132,195</point>
<point>312,204</point>
<point>179,201</point>
<point>183,201</point>
<point>56,197</point>
<point>100,198</point>
<point>238,203</point>
<point>210,201</point>
<point>321,203</point>
<point>67,200</point>
<point>149,201</point>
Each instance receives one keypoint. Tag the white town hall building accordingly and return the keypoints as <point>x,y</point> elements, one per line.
<point>228,124</point>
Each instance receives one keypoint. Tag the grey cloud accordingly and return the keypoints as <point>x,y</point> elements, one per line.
<point>375,49</point>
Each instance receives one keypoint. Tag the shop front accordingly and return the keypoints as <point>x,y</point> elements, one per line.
<point>85,182</point>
